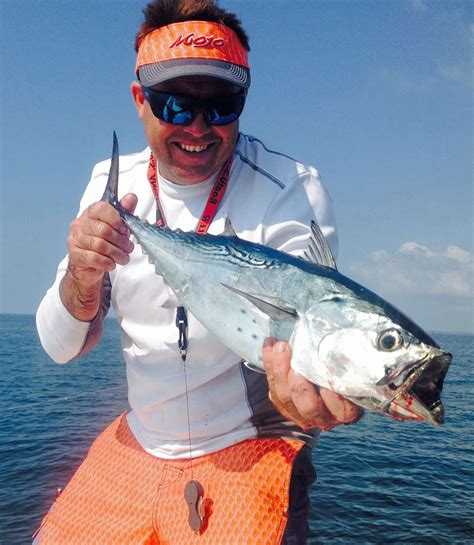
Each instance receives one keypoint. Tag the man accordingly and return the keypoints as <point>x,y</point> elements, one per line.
<point>204,456</point>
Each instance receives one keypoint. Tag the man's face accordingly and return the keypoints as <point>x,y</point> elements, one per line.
<point>188,154</point>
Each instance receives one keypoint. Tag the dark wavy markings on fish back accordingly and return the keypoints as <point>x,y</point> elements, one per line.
<point>249,254</point>
<point>255,255</point>
<point>233,249</point>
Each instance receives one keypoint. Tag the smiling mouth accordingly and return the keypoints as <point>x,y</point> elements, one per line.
<point>193,149</point>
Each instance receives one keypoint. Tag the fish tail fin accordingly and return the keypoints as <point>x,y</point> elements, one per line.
<point>111,189</point>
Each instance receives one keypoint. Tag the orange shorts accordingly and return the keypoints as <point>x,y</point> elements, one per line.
<point>122,495</point>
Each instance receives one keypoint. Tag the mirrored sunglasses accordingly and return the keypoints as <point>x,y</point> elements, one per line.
<point>182,110</point>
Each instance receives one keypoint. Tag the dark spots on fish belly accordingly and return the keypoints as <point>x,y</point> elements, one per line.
<point>243,311</point>
<point>239,329</point>
<point>254,336</point>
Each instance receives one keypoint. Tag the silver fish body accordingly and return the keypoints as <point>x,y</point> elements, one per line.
<point>343,336</point>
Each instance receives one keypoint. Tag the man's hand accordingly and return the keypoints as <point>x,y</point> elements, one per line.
<point>299,400</point>
<point>98,240</point>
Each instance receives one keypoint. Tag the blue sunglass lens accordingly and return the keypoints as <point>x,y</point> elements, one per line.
<point>225,110</point>
<point>176,112</point>
<point>217,117</point>
<point>180,110</point>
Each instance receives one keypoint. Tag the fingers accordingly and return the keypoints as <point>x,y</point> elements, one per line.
<point>105,213</point>
<point>343,410</point>
<point>129,202</point>
<point>309,402</point>
<point>297,398</point>
<point>293,396</point>
<point>98,239</point>
<point>277,371</point>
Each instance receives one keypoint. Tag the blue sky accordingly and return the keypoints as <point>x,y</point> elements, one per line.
<point>377,94</point>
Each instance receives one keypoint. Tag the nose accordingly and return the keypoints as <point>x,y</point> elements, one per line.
<point>198,127</point>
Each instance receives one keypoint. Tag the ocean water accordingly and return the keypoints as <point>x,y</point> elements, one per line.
<point>379,481</point>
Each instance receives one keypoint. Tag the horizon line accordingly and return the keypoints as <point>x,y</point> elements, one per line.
<point>432,331</point>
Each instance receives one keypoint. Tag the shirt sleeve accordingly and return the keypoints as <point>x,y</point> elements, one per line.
<point>61,335</point>
<point>287,222</point>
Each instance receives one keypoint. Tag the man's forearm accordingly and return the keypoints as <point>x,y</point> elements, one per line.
<point>81,300</point>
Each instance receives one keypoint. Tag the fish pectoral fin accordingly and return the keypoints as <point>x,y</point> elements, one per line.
<point>273,311</point>
<point>228,228</point>
<point>318,250</point>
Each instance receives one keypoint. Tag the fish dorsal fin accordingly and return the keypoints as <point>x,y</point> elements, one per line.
<point>273,311</point>
<point>318,249</point>
<point>228,228</point>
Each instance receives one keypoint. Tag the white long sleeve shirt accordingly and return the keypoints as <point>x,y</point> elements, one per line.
<point>270,199</point>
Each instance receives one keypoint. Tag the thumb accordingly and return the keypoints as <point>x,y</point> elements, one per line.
<point>129,202</point>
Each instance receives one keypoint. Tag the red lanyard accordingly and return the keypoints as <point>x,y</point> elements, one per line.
<point>210,210</point>
<point>213,201</point>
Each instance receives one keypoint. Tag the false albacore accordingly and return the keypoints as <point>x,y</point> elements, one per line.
<point>343,336</point>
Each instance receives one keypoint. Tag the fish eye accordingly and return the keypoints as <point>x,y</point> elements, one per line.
<point>390,340</point>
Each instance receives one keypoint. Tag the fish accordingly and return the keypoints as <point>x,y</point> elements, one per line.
<point>343,336</point>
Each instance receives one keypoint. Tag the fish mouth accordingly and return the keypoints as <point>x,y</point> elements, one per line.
<point>419,396</point>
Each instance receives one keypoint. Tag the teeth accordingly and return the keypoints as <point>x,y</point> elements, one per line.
<point>195,149</point>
